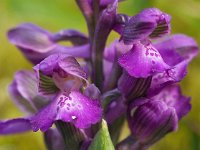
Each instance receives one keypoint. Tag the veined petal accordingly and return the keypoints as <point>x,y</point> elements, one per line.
<point>36,43</point>
<point>143,60</point>
<point>173,75</point>
<point>80,110</point>
<point>15,126</point>
<point>177,48</point>
<point>115,109</point>
<point>54,140</point>
<point>132,87</point>
<point>76,37</point>
<point>115,49</point>
<point>29,36</point>
<point>151,22</point>
<point>23,90</point>
<point>151,120</point>
<point>173,97</point>
<point>92,91</point>
<point>76,108</point>
<point>61,72</point>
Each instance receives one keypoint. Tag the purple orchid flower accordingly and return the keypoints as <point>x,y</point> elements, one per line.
<point>24,93</point>
<point>62,76</point>
<point>36,43</point>
<point>150,22</point>
<point>168,67</point>
<point>152,118</point>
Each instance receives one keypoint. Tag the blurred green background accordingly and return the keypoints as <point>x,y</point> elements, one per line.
<point>57,14</point>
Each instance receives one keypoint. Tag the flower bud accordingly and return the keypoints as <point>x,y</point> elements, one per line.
<point>151,120</point>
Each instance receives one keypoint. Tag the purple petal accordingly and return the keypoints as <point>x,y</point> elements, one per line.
<point>76,37</point>
<point>23,90</point>
<point>76,108</point>
<point>54,140</point>
<point>173,75</point>
<point>132,87</point>
<point>173,97</point>
<point>37,43</point>
<point>115,49</point>
<point>15,126</point>
<point>151,120</point>
<point>80,110</point>
<point>92,91</point>
<point>115,109</point>
<point>29,36</point>
<point>120,22</point>
<point>60,71</point>
<point>150,22</point>
<point>176,48</point>
<point>142,60</point>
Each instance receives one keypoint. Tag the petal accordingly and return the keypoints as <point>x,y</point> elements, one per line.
<point>23,90</point>
<point>151,120</point>
<point>173,97</point>
<point>132,87</point>
<point>44,119</point>
<point>92,91</point>
<point>54,140</point>
<point>36,43</point>
<point>81,110</point>
<point>76,37</point>
<point>120,22</point>
<point>142,60</point>
<point>72,67</point>
<point>15,126</point>
<point>76,108</point>
<point>115,49</point>
<point>150,22</point>
<point>173,75</point>
<point>29,36</point>
<point>115,109</point>
<point>176,48</point>
<point>59,71</point>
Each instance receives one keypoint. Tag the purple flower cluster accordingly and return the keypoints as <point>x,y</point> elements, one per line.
<point>135,79</point>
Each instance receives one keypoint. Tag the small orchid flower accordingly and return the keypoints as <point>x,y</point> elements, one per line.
<point>36,43</point>
<point>62,76</point>
<point>151,119</point>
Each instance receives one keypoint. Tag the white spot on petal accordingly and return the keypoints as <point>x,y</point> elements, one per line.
<point>73,117</point>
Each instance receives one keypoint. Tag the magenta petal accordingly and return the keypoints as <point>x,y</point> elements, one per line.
<point>142,60</point>
<point>78,109</point>
<point>14,126</point>
<point>72,67</point>
<point>115,109</point>
<point>151,22</point>
<point>92,91</point>
<point>45,118</point>
<point>37,43</point>
<point>23,90</point>
<point>54,140</point>
<point>176,48</point>
<point>151,120</point>
<point>173,75</point>
<point>173,97</point>
<point>59,71</point>
<point>29,36</point>
<point>76,37</point>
